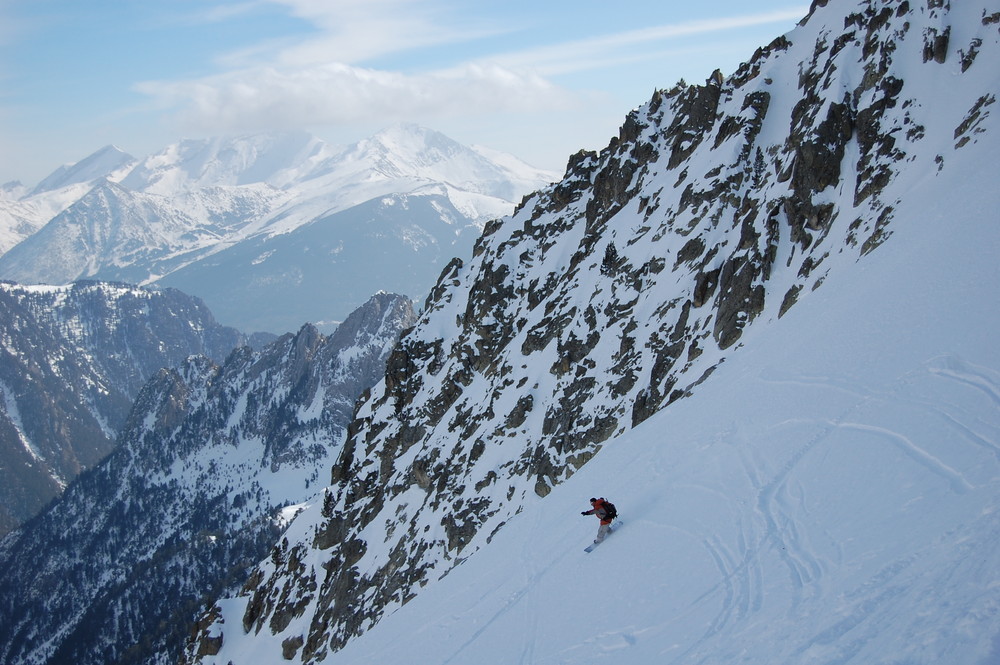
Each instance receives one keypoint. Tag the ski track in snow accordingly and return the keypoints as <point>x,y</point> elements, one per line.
<point>775,521</point>
<point>740,580</point>
<point>980,378</point>
<point>958,483</point>
<point>528,610</point>
<point>968,433</point>
<point>777,512</point>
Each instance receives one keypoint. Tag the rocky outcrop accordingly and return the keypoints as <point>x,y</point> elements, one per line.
<point>603,299</point>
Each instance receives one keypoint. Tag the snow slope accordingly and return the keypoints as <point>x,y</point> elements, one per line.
<point>827,494</point>
<point>832,495</point>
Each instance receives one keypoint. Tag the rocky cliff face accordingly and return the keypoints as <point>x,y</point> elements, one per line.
<point>612,294</point>
<point>73,359</point>
<point>209,468</point>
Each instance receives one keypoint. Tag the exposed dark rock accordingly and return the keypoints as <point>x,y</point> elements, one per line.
<point>290,646</point>
<point>705,285</point>
<point>936,45</point>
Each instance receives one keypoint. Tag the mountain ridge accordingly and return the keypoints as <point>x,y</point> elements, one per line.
<point>174,211</point>
<point>107,162</point>
<point>74,359</point>
<point>211,464</point>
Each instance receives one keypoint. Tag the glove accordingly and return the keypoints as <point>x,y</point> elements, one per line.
<point>584,512</point>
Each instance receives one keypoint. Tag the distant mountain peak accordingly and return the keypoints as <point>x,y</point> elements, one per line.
<point>14,189</point>
<point>109,161</point>
<point>265,157</point>
<point>205,197</point>
<point>407,137</point>
<point>405,149</point>
<point>414,152</point>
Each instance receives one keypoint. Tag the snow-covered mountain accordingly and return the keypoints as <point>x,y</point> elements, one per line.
<point>165,219</point>
<point>207,472</point>
<point>276,159</point>
<point>73,359</point>
<point>115,233</point>
<point>23,212</point>
<point>17,222</point>
<point>109,162</point>
<point>759,321</point>
<point>829,496</point>
<point>407,151</point>
<point>397,242</point>
<point>22,215</point>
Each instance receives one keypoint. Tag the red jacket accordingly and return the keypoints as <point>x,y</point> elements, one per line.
<point>599,510</point>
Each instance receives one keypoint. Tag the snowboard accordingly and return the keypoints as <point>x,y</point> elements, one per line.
<point>614,527</point>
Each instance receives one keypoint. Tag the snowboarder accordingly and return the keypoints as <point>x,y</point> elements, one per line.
<point>605,511</point>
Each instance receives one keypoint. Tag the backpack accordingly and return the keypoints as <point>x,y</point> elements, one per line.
<point>610,512</point>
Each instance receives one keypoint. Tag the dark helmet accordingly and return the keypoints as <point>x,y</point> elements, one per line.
<point>593,500</point>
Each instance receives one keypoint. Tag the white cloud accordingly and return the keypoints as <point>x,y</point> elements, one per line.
<point>354,31</point>
<point>585,54</point>
<point>320,82</point>
<point>224,12</point>
<point>337,93</point>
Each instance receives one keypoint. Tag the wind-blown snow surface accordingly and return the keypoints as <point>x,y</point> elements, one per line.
<point>831,495</point>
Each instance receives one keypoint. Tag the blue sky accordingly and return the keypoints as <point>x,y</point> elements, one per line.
<point>540,79</point>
